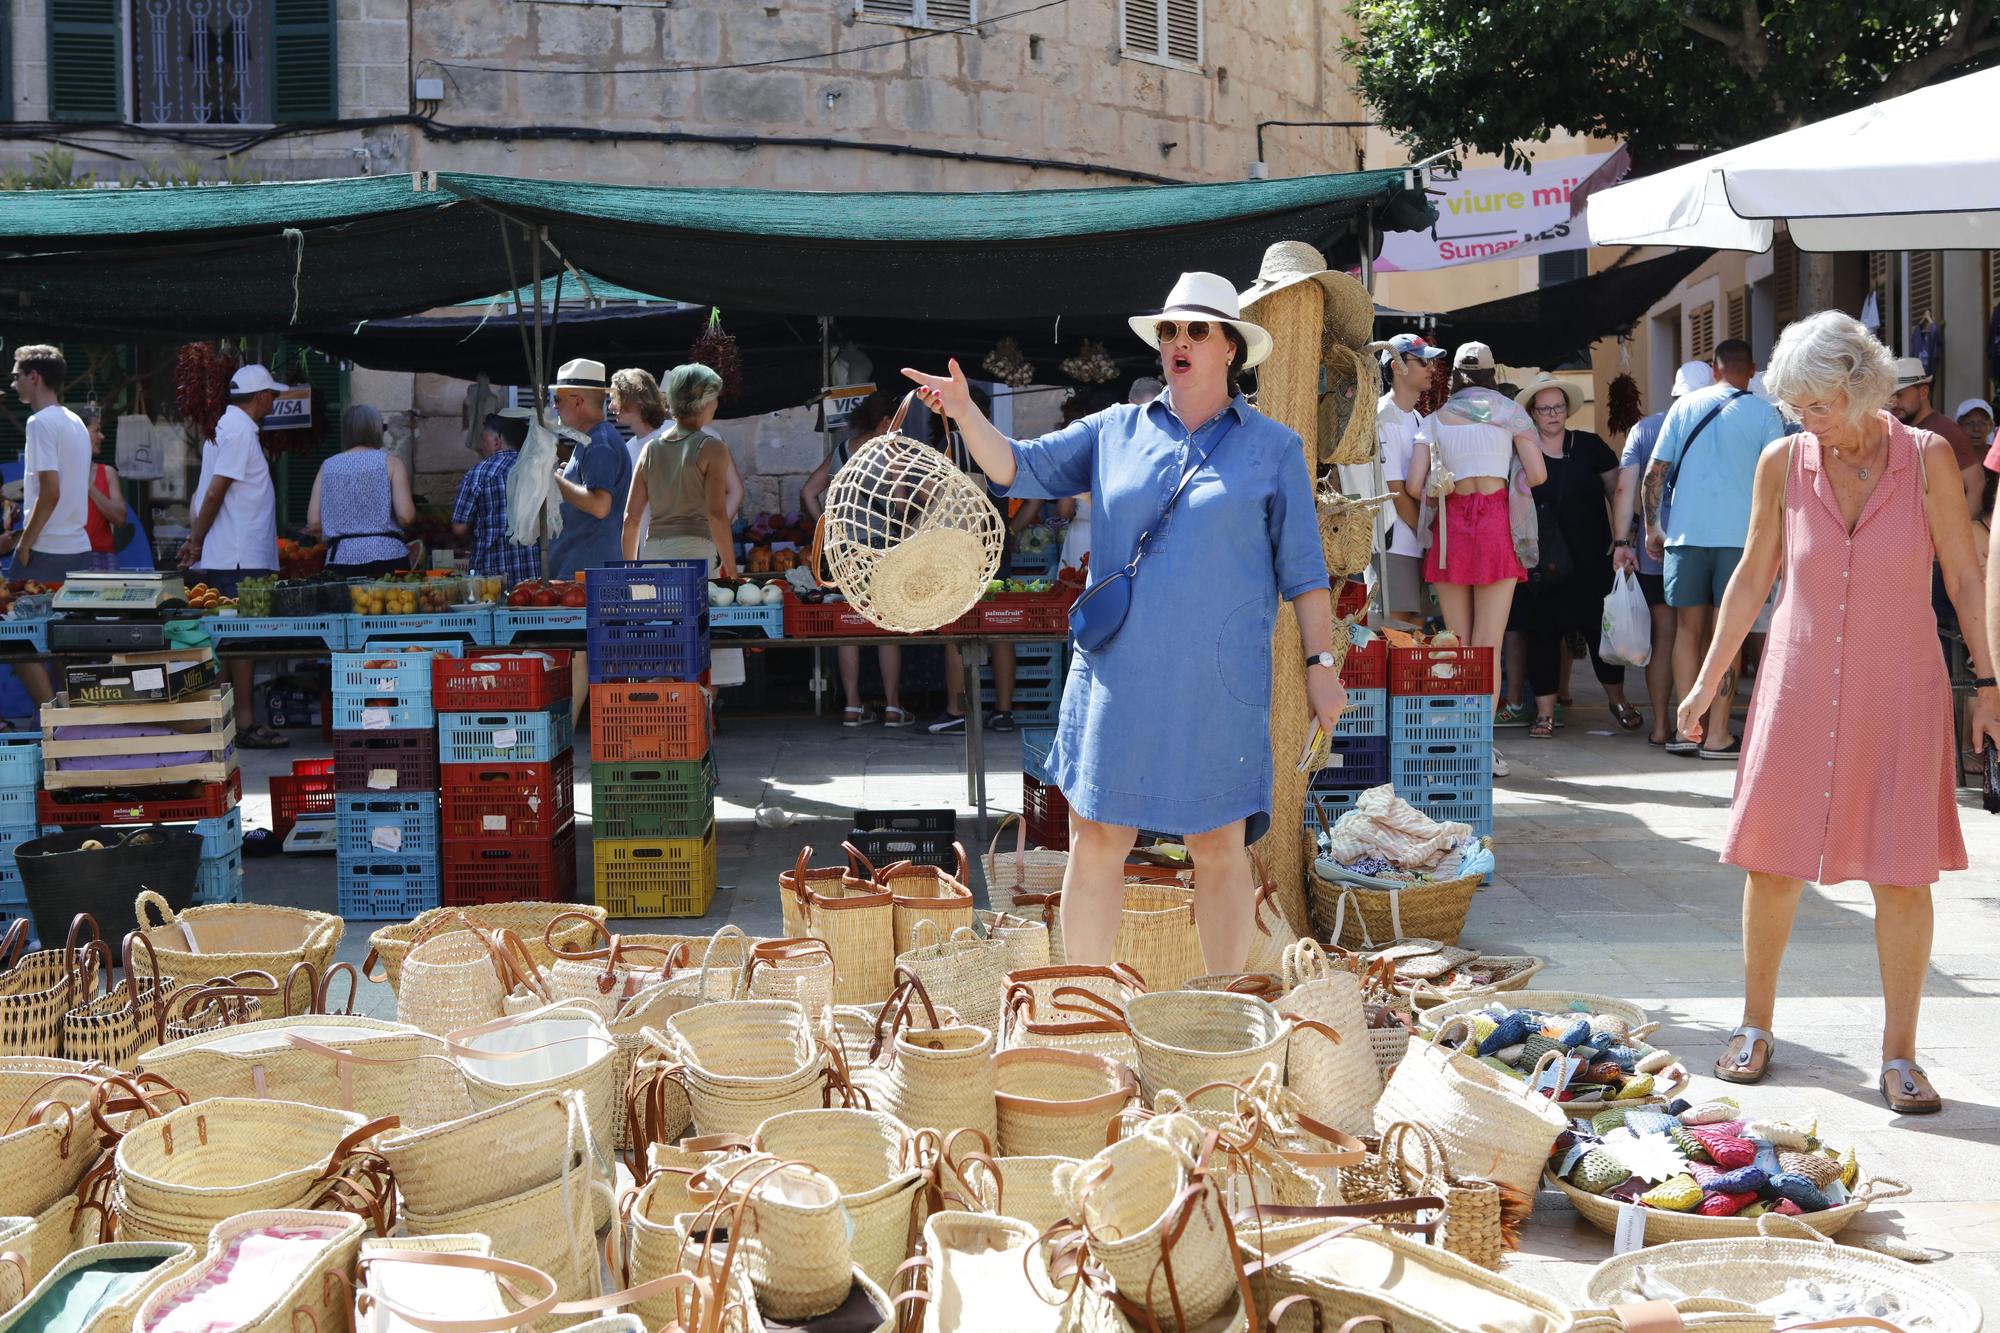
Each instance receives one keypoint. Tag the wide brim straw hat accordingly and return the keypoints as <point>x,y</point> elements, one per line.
<point>1571,394</point>
<point>1210,297</point>
<point>582,374</point>
<point>1350,310</point>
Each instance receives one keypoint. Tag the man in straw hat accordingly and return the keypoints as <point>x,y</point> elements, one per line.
<point>594,481</point>
<point>1203,512</point>
<point>1913,407</point>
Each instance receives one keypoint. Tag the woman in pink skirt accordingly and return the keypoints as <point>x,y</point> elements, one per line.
<point>1478,437</point>
<point>1847,767</point>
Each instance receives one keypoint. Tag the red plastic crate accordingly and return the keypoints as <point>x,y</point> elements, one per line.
<point>214,800</point>
<point>1367,668</point>
<point>506,870</point>
<point>508,800</point>
<point>1353,599</point>
<point>489,682</point>
<point>1045,810</point>
<point>658,721</point>
<point>828,620</point>
<point>312,768</point>
<point>411,754</point>
<point>299,794</point>
<point>1432,670</point>
<point>1025,613</point>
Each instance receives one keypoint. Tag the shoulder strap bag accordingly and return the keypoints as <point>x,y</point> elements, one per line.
<point>1674,476</point>
<point>1098,615</point>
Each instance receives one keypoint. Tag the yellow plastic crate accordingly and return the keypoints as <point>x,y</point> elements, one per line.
<point>634,877</point>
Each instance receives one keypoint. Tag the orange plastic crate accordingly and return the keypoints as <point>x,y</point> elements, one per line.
<point>660,721</point>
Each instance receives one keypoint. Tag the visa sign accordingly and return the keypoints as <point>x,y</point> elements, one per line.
<point>1489,211</point>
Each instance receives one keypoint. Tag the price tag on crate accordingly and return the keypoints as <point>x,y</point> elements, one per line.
<point>643,592</point>
<point>381,779</point>
<point>374,719</point>
<point>506,738</point>
<point>386,838</point>
<point>386,684</point>
<point>493,823</point>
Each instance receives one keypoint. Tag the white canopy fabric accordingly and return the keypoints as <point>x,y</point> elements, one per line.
<point>1917,172</point>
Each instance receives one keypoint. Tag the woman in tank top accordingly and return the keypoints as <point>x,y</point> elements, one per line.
<point>361,501</point>
<point>679,489</point>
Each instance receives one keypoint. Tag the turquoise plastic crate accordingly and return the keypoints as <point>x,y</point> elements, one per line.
<point>222,834</point>
<point>219,879</point>
<point>385,888</point>
<point>353,713</point>
<point>408,819</point>
<point>1466,765</point>
<point>1367,714</point>
<point>1027,696</point>
<point>1462,805</point>
<point>739,619</point>
<point>18,808</point>
<point>34,632</point>
<point>1426,718</point>
<point>476,626</point>
<point>1324,809</point>
<point>10,838</point>
<point>331,631</point>
<point>1037,744</point>
<point>503,738</point>
<point>403,674</point>
<point>536,623</point>
<point>20,759</point>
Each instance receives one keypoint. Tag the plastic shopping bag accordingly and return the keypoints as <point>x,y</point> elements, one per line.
<point>1627,638</point>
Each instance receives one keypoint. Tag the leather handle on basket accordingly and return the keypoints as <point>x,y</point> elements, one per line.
<point>1077,1000</point>
<point>580,955</point>
<point>857,860</point>
<point>14,946</point>
<point>320,997</point>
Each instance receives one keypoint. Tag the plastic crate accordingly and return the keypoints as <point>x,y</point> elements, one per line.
<point>1357,763</point>
<point>1036,715</point>
<point>20,807</point>
<point>658,722</point>
<point>485,680</point>
<point>652,800</point>
<point>219,879</point>
<point>647,590</point>
<point>888,847</point>
<point>648,649</point>
<point>222,834</point>
<point>1469,804</point>
<point>1037,745</point>
<point>535,624</point>
<point>1351,599</point>
<point>1367,714</point>
<point>1026,696</point>
<point>385,888</point>
<point>508,800</point>
<point>20,759</point>
<point>747,622</point>
<point>654,876</point>
<point>1442,764</point>
<point>1432,670</point>
<point>330,632</point>
<point>208,801</point>
<point>402,674</point>
<point>33,631</point>
<point>1025,613</point>
<point>1045,810</point>
<point>1422,719</point>
<point>10,838</point>
<point>508,870</point>
<point>829,620</point>
<point>382,714</point>
<point>906,821</point>
<point>1367,667</point>
<point>296,794</point>
<point>386,824</point>
<point>465,626</point>
<point>503,737</point>
<point>1044,671</point>
<point>387,761</point>
<point>1324,809</point>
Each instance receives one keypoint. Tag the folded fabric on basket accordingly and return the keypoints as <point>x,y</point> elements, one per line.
<point>1384,824</point>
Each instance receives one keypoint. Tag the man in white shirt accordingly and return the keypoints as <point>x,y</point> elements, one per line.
<point>1408,358</point>
<point>55,488</point>
<point>236,523</point>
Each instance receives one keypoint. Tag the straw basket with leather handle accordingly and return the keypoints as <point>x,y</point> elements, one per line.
<point>909,539</point>
<point>843,906</point>
<point>534,922</point>
<point>922,892</point>
<point>873,1159</point>
<point>37,989</point>
<point>1032,1016</point>
<point>1359,911</point>
<point>461,978</point>
<point>1347,409</point>
<point>225,938</point>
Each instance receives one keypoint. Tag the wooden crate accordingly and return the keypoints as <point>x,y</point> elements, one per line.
<point>207,724</point>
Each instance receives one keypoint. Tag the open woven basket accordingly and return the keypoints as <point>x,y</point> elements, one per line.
<point>909,539</point>
<point>1347,408</point>
<point>1665,1225</point>
<point>1347,528</point>
<point>1356,912</point>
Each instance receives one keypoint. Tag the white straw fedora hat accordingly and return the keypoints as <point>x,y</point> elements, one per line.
<point>1206,296</point>
<point>1350,310</point>
<point>582,374</point>
<point>1572,396</point>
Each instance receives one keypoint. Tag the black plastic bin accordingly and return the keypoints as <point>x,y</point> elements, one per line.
<point>61,878</point>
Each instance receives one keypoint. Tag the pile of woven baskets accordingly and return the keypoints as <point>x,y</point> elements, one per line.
<point>566,1127</point>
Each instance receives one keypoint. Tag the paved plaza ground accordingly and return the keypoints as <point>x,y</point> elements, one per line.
<point>1607,851</point>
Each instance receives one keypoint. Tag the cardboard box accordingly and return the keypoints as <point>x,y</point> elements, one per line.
<point>142,678</point>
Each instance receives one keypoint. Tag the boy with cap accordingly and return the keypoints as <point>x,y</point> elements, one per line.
<point>1406,364</point>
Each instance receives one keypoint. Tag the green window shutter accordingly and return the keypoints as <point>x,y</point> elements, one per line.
<point>86,78</point>
<point>297,467</point>
<point>305,78</point>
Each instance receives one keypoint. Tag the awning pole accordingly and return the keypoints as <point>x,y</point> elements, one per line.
<point>1368,250</point>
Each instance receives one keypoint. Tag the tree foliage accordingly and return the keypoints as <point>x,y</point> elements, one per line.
<point>1660,74</point>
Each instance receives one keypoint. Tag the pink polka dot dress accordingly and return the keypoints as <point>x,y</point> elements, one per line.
<point>1847,758</point>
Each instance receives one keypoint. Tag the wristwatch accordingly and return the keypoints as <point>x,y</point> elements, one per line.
<point>1984,682</point>
<point>1620,543</point>
<point>1327,660</point>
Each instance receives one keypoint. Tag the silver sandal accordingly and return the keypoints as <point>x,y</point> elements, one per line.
<point>1742,1068</point>
<point>1906,1073</point>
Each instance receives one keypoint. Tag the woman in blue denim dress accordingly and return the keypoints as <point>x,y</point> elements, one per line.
<point>1167,726</point>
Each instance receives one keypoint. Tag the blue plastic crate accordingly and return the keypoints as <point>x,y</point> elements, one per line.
<point>503,738</point>
<point>1424,718</point>
<point>740,620</point>
<point>354,713</point>
<point>1037,744</point>
<point>18,808</point>
<point>1035,715</point>
<point>1367,714</point>
<point>1469,804</point>
<point>20,759</point>
<point>647,590</point>
<point>1356,764</point>
<point>1028,696</point>
<point>534,624</point>
<point>330,631</point>
<point>222,834</point>
<point>475,626</point>
<point>10,838</point>
<point>1324,809</point>
<point>385,888</point>
<point>1466,764</point>
<point>648,650</point>
<point>403,674</point>
<point>219,879</point>
<point>371,824</point>
<point>33,631</point>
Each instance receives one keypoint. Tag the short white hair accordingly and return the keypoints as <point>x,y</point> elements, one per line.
<point>1830,353</point>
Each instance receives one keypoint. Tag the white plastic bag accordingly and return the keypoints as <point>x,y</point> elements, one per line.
<point>1627,638</point>
<point>138,455</point>
<point>534,506</point>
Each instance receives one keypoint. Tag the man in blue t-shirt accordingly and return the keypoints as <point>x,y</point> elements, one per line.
<point>594,481</point>
<point>1712,438</point>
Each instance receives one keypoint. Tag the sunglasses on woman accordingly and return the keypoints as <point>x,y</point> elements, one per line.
<point>1197,331</point>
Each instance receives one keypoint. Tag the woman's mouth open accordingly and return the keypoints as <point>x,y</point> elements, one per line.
<point>1179,363</point>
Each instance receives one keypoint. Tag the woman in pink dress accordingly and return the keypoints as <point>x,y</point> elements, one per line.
<point>1847,766</point>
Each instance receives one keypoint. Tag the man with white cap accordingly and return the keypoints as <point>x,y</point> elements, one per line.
<point>594,481</point>
<point>1406,361</point>
<point>235,534</point>
<point>1975,417</point>
<point>1913,407</point>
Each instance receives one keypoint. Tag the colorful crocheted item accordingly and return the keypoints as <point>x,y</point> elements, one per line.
<point>1778,1133</point>
<point>1576,1033</point>
<point>1612,1024</point>
<point>1597,1172</point>
<point>1605,1121</point>
<point>1482,1027</point>
<point>1495,1062</point>
<point>1850,1168</point>
<point>1724,1205</point>
<point>1639,1085</point>
<point>1704,1174</point>
<point>1645,1120</point>
<point>1799,1190</point>
<point>1655,1062</point>
<point>1693,1148</point>
<point>1508,1055</point>
<point>1709,1113</point>
<point>1726,1150</point>
<point>1787,1208</point>
<point>1510,1031</point>
<point>1604,1071</point>
<point>1743,1180</point>
<point>1677,1106</point>
<point>1677,1195</point>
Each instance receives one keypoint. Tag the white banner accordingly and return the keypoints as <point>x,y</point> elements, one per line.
<point>1494,213</point>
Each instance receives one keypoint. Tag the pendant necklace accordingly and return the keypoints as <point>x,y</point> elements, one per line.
<point>1861,472</point>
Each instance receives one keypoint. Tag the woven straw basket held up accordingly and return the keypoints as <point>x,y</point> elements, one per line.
<point>910,539</point>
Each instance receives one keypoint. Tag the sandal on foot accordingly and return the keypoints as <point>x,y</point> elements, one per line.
<point>1628,717</point>
<point>856,717</point>
<point>1543,728</point>
<point>898,717</point>
<point>1900,1089</point>
<point>1744,1066</point>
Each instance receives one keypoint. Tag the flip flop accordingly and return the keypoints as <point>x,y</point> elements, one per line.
<point>1742,1067</point>
<point>1543,728</point>
<point>1630,718</point>
<point>1905,1073</point>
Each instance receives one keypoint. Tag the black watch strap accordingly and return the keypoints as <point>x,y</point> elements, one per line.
<point>1984,682</point>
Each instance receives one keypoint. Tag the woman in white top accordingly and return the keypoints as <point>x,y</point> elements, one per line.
<point>1476,439</point>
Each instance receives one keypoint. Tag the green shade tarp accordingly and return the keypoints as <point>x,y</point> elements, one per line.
<point>290,257</point>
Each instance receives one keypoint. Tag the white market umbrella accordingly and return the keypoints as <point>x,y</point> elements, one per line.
<point>1917,172</point>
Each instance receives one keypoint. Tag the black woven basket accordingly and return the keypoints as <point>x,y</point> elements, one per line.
<point>62,878</point>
